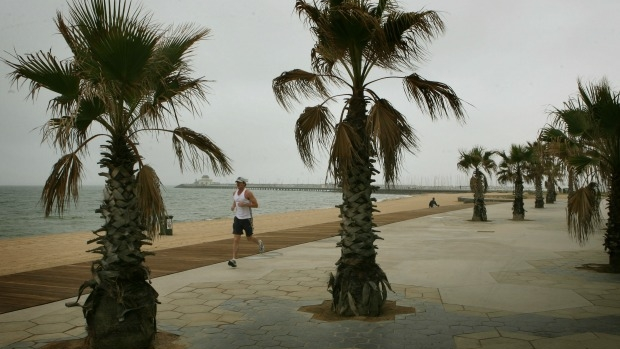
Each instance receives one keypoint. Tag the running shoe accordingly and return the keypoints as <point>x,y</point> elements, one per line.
<point>261,246</point>
<point>232,263</point>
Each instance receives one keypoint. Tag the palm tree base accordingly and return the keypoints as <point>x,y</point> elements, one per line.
<point>358,290</point>
<point>480,211</point>
<point>126,321</point>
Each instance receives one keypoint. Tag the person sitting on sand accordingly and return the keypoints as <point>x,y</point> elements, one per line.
<point>432,203</point>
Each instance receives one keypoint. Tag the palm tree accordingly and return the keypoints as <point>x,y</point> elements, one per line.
<point>127,76</point>
<point>561,145</point>
<point>537,171</point>
<point>480,161</point>
<point>511,170</point>
<point>593,116</point>
<point>554,172</point>
<point>352,38</point>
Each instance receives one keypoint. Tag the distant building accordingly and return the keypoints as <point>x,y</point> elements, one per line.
<point>203,182</point>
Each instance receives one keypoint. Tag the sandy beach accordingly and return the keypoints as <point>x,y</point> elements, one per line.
<point>32,253</point>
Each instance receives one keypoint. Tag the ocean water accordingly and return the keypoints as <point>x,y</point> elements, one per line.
<point>22,215</point>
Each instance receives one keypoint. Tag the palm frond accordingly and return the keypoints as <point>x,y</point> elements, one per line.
<point>290,85</point>
<point>392,135</point>
<point>433,97</point>
<point>44,70</point>
<point>583,213</point>
<point>310,12</point>
<point>582,162</point>
<point>177,46</point>
<point>63,184</point>
<point>172,94</point>
<point>313,125</point>
<point>406,34</point>
<point>200,151</point>
<point>150,201</point>
<point>174,88</point>
<point>60,132</point>
<point>116,44</point>
<point>343,154</point>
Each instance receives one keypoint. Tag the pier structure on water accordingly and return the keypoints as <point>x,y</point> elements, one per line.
<point>398,190</point>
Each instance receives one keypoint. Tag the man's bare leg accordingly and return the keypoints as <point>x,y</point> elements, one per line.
<point>233,261</point>
<point>261,247</point>
<point>236,240</point>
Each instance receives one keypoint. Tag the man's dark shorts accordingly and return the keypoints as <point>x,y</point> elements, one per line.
<point>240,225</point>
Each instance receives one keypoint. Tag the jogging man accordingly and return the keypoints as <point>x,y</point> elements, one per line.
<point>243,202</point>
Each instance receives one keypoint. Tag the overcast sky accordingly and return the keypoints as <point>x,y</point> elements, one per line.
<point>510,61</point>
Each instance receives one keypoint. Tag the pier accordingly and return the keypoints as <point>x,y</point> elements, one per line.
<point>397,190</point>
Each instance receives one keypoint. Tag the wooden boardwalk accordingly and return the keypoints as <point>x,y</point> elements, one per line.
<point>28,289</point>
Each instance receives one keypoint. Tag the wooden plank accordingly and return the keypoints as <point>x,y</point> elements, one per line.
<point>37,287</point>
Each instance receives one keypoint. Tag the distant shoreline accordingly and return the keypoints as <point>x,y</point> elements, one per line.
<point>396,190</point>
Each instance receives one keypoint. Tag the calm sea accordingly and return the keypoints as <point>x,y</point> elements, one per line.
<point>21,214</point>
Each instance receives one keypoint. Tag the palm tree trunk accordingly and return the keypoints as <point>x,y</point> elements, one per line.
<point>359,285</point>
<point>551,193</point>
<point>539,201</point>
<point>121,310</point>
<point>480,210</point>
<point>612,233</point>
<point>518,211</point>
<point>571,181</point>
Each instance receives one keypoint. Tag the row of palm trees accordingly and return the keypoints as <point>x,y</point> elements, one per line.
<point>129,76</point>
<point>579,147</point>
<point>530,163</point>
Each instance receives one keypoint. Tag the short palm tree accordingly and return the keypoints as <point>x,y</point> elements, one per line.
<point>353,37</point>
<point>479,161</point>
<point>511,169</point>
<point>593,116</point>
<point>554,172</point>
<point>127,76</point>
<point>561,145</point>
<point>537,171</point>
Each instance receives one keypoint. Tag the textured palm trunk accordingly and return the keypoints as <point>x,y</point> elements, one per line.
<point>359,286</point>
<point>612,233</point>
<point>551,193</point>
<point>480,210</point>
<point>518,211</point>
<point>539,201</point>
<point>120,312</point>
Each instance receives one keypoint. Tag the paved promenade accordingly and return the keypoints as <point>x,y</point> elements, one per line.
<point>499,284</point>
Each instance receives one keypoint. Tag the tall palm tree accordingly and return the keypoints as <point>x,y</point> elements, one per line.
<point>480,161</point>
<point>511,169</point>
<point>593,116</point>
<point>127,76</point>
<point>353,37</point>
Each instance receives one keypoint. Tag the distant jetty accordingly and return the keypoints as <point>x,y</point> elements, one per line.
<point>206,183</point>
<point>288,187</point>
